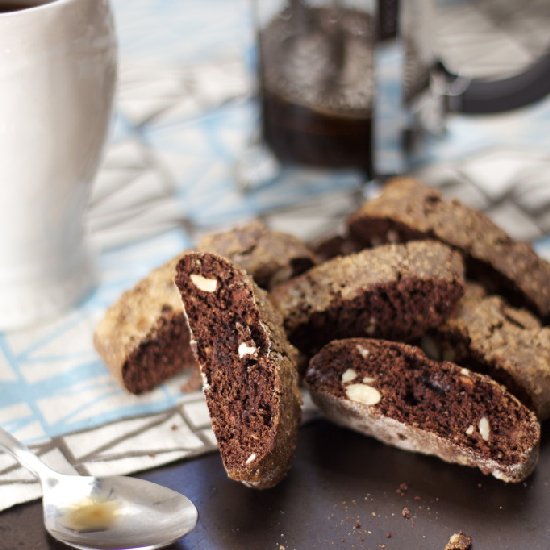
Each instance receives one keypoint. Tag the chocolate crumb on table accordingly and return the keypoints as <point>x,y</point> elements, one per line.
<point>250,379</point>
<point>402,489</point>
<point>408,210</point>
<point>393,392</point>
<point>487,335</point>
<point>459,541</point>
<point>395,292</point>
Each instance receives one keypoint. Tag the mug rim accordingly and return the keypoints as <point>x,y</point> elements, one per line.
<point>50,4</point>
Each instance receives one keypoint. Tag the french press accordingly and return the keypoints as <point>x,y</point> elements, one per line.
<point>322,66</point>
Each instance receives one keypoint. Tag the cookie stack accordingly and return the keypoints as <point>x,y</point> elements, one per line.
<point>423,327</point>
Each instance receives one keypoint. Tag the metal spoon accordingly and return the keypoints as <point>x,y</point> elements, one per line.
<point>106,513</point>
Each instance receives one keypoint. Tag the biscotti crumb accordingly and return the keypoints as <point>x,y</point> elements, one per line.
<point>459,541</point>
<point>402,489</point>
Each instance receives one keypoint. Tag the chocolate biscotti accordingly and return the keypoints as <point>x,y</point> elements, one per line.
<point>269,257</point>
<point>393,392</point>
<point>394,292</point>
<point>486,334</point>
<point>248,366</point>
<point>143,337</point>
<point>408,210</point>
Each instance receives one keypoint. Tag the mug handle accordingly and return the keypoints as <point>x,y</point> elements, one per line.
<point>478,96</point>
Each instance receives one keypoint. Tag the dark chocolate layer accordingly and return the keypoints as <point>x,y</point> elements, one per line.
<point>164,353</point>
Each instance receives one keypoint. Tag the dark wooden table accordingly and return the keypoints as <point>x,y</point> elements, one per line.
<point>343,492</point>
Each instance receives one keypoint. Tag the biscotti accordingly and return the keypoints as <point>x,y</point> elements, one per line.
<point>248,366</point>
<point>394,292</point>
<point>408,210</point>
<point>459,541</point>
<point>269,257</point>
<point>393,392</point>
<point>143,337</point>
<point>486,334</point>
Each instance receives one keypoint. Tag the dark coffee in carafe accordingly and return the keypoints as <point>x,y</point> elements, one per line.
<point>317,87</point>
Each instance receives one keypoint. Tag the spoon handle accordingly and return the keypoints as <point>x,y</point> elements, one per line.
<point>24,456</point>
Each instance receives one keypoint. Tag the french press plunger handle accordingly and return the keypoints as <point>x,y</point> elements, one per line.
<point>477,96</point>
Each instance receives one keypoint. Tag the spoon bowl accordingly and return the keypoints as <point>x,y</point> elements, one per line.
<point>115,512</point>
<point>106,513</point>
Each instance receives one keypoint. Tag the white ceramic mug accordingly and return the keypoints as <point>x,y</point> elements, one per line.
<point>57,78</point>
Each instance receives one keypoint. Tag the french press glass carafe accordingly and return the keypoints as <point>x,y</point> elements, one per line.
<point>316,81</point>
